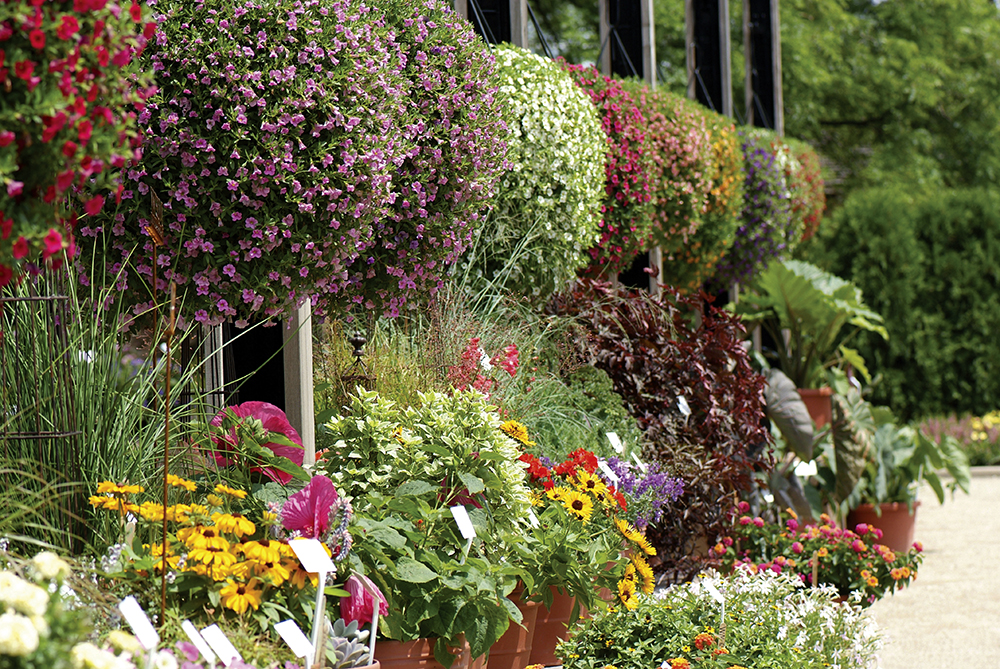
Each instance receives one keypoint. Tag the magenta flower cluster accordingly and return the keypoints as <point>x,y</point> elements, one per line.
<point>626,213</point>
<point>332,151</point>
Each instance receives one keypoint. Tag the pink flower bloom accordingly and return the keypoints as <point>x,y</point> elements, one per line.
<point>796,547</point>
<point>307,512</point>
<point>273,420</point>
<point>743,506</point>
<point>859,546</point>
<point>918,546</point>
<point>792,524</point>
<point>20,248</point>
<point>53,243</point>
<point>861,529</point>
<point>745,520</point>
<point>359,604</point>
<point>758,521</point>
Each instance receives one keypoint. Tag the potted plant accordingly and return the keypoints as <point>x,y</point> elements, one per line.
<point>901,458</point>
<point>685,628</point>
<point>810,316</point>
<point>855,562</point>
<point>405,468</point>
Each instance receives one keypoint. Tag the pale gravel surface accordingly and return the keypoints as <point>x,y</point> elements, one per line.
<point>950,616</point>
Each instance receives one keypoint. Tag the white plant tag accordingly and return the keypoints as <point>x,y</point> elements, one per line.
<point>313,557</point>
<point>806,469</point>
<point>607,471</point>
<point>222,646</point>
<point>464,523</point>
<point>139,622</point>
<point>616,443</point>
<point>714,592</point>
<point>295,638</point>
<point>199,641</point>
<point>642,465</point>
<point>682,404</point>
<point>532,518</point>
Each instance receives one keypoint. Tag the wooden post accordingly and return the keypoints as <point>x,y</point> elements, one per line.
<point>762,40</point>
<point>519,23</point>
<point>298,359</point>
<point>462,8</point>
<point>215,375</point>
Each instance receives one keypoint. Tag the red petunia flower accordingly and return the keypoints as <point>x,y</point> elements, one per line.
<point>135,11</point>
<point>23,69</point>
<point>53,243</point>
<point>6,274</point>
<point>37,39</point>
<point>69,148</point>
<point>68,26</point>
<point>20,248</point>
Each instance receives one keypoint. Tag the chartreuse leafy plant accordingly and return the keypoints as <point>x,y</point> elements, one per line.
<point>548,201</point>
<point>771,620</point>
<point>67,118</point>
<point>404,468</point>
<point>290,169</point>
<point>815,307</point>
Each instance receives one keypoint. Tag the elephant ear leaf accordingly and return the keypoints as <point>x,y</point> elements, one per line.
<point>788,412</point>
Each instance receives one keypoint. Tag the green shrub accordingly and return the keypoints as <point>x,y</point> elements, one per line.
<point>930,264</point>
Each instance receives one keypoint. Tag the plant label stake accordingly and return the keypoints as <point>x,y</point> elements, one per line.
<point>139,622</point>
<point>222,646</point>
<point>199,642</point>
<point>169,336</point>
<point>607,471</point>
<point>815,566</point>
<point>532,518</point>
<point>370,588</point>
<point>465,527</point>
<point>295,638</point>
<point>682,405</point>
<point>642,465</point>
<point>616,443</point>
<point>314,560</point>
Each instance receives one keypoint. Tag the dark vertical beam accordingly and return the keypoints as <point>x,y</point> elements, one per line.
<point>708,54</point>
<point>492,21</point>
<point>762,40</point>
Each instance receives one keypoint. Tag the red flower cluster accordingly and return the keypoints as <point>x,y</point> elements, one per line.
<point>579,458</point>
<point>469,373</point>
<point>627,212</point>
<point>70,109</point>
<point>545,476</point>
<point>537,472</point>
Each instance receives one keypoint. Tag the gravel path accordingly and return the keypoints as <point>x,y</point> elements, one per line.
<point>950,616</point>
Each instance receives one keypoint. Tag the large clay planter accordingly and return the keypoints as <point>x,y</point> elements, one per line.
<point>818,403</point>
<point>896,522</point>
<point>419,654</point>
<point>552,626</point>
<point>513,649</point>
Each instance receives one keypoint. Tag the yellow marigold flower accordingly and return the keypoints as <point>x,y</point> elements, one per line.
<point>223,489</point>
<point>645,573</point>
<point>517,431</point>
<point>626,594</point>
<point>233,524</point>
<point>178,482</point>
<point>239,596</point>
<point>118,489</point>
<point>264,550</point>
<point>578,504</point>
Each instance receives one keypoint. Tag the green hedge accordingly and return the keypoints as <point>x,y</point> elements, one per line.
<point>930,264</point>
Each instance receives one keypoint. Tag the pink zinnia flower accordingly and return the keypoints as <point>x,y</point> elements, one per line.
<point>274,420</point>
<point>359,604</point>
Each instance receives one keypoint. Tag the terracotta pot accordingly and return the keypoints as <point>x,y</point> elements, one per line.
<point>817,401</point>
<point>513,649</point>
<point>896,522</point>
<point>419,654</point>
<point>551,627</point>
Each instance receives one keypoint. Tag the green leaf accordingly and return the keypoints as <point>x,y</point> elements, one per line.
<point>473,483</point>
<point>411,571</point>
<point>411,488</point>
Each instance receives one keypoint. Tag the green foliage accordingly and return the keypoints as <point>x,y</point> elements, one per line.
<point>814,306</point>
<point>451,444</point>
<point>547,206</point>
<point>595,409</point>
<point>771,620</point>
<point>928,263</point>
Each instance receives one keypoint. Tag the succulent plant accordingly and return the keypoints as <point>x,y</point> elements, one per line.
<point>346,645</point>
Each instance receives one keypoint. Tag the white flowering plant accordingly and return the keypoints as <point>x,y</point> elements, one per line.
<point>38,628</point>
<point>548,203</point>
<point>767,620</point>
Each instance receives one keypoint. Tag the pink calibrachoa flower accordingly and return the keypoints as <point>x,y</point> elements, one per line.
<point>359,605</point>
<point>53,243</point>
<point>273,419</point>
